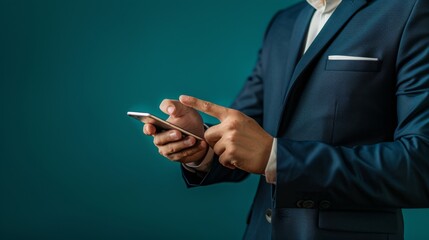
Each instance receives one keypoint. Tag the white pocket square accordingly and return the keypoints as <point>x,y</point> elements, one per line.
<point>350,58</point>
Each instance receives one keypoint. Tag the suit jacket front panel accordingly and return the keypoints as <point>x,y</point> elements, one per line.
<point>326,89</point>
<point>353,132</point>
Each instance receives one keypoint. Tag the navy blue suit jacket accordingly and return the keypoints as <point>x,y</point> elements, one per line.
<point>353,135</point>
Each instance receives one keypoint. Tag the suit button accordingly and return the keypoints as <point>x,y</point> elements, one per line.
<point>268,214</point>
<point>325,204</point>
<point>308,204</point>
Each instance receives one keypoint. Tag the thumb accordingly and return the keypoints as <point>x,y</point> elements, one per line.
<point>173,108</point>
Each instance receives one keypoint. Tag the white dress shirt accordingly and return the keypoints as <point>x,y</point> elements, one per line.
<point>324,10</point>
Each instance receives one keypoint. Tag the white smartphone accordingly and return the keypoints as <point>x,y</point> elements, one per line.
<point>159,123</point>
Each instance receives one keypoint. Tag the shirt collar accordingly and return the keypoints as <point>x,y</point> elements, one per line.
<point>324,6</point>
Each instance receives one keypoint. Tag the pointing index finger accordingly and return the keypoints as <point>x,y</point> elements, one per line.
<point>209,108</point>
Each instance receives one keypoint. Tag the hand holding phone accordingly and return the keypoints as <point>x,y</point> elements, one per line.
<point>188,145</point>
<point>160,123</point>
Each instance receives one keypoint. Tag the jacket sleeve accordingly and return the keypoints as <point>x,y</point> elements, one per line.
<point>385,174</point>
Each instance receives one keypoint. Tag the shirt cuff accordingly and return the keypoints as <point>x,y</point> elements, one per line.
<point>271,168</point>
<point>203,166</point>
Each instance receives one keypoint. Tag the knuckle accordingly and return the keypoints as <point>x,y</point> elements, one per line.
<point>249,120</point>
<point>235,163</point>
<point>161,152</point>
<point>207,106</point>
<point>184,154</point>
<point>207,134</point>
<point>209,140</point>
<point>230,138</point>
<point>233,124</point>
<point>156,141</point>
<point>163,103</point>
<point>172,150</point>
<point>234,113</point>
<point>222,160</point>
<point>201,146</point>
<point>231,151</point>
<point>174,158</point>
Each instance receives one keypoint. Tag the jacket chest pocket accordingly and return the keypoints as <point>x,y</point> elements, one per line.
<point>352,63</point>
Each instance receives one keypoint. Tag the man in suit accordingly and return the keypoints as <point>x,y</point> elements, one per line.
<point>335,118</point>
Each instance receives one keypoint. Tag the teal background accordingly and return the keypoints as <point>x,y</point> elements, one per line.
<point>72,164</point>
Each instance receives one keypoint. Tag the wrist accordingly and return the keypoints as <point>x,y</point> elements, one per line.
<point>202,165</point>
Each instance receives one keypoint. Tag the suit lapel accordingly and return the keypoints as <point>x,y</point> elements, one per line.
<point>299,34</point>
<point>293,49</point>
<point>338,19</point>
